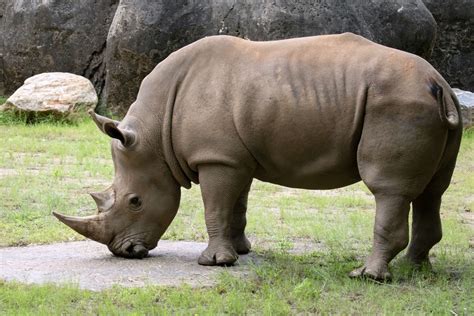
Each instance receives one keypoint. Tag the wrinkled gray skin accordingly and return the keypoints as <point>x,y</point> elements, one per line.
<point>317,113</point>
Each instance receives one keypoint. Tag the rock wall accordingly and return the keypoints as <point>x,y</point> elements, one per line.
<point>144,32</point>
<point>116,43</point>
<point>53,35</point>
<point>2,75</point>
<point>453,54</point>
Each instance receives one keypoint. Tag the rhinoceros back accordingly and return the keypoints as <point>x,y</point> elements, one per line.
<point>296,106</point>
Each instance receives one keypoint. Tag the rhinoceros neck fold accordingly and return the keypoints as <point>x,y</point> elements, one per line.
<point>166,139</point>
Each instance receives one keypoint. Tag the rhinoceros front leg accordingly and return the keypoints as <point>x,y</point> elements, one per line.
<point>221,187</point>
<point>239,221</point>
<point>390,236</point>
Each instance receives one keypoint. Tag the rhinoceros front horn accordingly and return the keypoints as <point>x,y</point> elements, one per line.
<point>90,226</point>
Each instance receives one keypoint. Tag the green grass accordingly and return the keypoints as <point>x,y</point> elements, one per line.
<point>284,285</point>
<point>48,166</point>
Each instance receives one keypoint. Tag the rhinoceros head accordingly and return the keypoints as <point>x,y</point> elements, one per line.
<point>135,211</point>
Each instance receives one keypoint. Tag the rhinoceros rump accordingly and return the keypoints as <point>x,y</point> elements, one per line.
<point>317,113</point>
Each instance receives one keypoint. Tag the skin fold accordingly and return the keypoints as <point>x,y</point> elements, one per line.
<point>318,112</point>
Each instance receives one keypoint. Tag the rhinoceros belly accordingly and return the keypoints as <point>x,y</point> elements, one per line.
<point>302,129</point>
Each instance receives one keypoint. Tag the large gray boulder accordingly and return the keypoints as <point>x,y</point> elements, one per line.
<point>144,32</point>
<point>453,54</point>
<point>55,35</point>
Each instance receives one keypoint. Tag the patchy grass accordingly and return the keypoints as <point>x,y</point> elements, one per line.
<point>314,284</point>
<point>46,167</point>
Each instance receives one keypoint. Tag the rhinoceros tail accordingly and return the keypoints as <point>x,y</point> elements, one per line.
<point>448,110</point>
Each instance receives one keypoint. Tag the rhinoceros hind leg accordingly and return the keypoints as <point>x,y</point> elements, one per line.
<point>221,188</point>
<point>398,155</point>
<point>239,221</point>
<point>426,229</point>
<point>390,236</point>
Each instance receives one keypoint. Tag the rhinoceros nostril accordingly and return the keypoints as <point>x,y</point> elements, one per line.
<point>129,249</point>
<point>139,252</point>
<point>135,251</point>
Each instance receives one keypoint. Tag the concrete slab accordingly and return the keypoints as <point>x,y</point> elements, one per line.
<point>91,266</point>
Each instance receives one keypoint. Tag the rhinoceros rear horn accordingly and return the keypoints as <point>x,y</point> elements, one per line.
<point>104,200</point>
<point>110,127</point>
<point>90,226</point>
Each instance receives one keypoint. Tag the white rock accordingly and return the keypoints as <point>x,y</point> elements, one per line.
<point>54,92</point>
<point>466,101</point>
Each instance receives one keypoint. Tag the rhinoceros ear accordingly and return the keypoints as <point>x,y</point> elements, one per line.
<point>110,127</point>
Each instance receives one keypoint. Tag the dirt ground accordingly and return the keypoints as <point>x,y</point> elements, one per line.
<point>90,265</point>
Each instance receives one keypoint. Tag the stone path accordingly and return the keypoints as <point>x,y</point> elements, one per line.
<point>90,265</point>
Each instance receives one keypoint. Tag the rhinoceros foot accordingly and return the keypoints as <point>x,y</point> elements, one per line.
<point>378,273</point>
<point>418,263</point>
<point>241,244</point>
<point>218,253</point>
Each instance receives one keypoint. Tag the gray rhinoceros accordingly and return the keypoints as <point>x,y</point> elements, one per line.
<point>316,113</point>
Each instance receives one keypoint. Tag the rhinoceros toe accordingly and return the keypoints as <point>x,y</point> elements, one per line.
<point>379,274</point>
<point>218,255</point>
<point>241,244</point>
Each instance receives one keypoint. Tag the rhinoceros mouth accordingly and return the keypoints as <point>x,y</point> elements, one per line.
<point>132,247</point>
<point>131,251</point>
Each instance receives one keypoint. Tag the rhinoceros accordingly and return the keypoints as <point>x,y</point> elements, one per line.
<point>317,112</point>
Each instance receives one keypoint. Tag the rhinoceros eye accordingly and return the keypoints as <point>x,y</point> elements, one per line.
<point>135,202</point>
